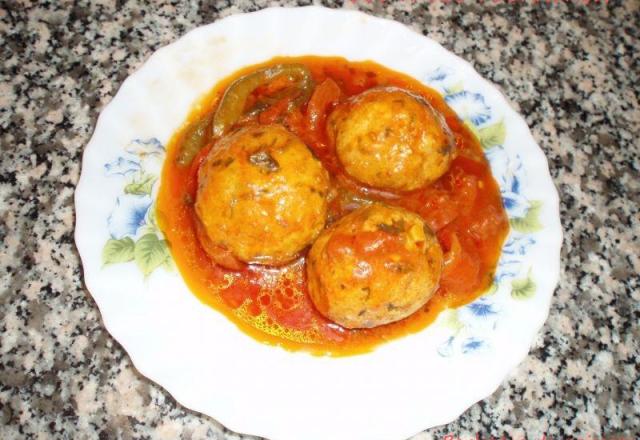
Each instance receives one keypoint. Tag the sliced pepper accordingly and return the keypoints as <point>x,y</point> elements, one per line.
<point>196,137</point>
<point>233,102</point>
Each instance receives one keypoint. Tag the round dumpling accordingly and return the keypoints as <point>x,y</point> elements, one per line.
<point>390,139</point>
<point>376,265</point>
<point>261,196</point>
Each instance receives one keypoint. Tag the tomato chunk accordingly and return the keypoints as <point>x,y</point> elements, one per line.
<point>461,271</point>
<point>324,95</point>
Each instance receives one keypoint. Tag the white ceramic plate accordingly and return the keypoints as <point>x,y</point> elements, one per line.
<point>201,358</point>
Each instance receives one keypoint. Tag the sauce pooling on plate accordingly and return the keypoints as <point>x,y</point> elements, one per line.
<point>462,207</point>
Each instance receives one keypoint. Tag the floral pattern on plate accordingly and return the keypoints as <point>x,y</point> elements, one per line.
<point>470,326</point>
<point>134,233</point>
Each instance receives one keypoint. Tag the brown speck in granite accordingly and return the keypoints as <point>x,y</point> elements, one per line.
<point>571,70</point>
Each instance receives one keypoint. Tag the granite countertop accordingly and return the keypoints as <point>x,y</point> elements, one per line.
<point>571,69</point>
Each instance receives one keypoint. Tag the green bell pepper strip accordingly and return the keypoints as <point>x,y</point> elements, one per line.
<point>195,138</point>
<point>232,104</point>
<point>233,101</point>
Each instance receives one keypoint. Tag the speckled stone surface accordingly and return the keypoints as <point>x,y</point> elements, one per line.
<point>572,70</point>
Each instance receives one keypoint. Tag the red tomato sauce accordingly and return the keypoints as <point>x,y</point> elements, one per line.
<point>463,207</point>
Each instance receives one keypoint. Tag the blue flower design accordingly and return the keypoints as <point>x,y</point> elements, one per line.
<point>507,269</point>
<point>438,75</point>
<point>444,80</point>
<point>510,263</point>
<point>472,344</point>
<point>469,106</point>
<point>509,174</point>
<point>518,245</point>
<point>515,204</point>
<point>128,215</point>
<point>121,167</point>
<point>482,308</point>
<point>143,147</point>
<point>446,348</point>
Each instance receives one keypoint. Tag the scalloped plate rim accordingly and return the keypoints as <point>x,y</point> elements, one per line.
<point>83,202</point>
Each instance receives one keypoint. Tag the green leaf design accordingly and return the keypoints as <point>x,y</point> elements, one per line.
<point>117,251</point>
<point>456,88</point>
<point>147,229</point>
<point>151,252</point>
<point>452,321</point>
<point>141,184</point>
<point>492,135</point>
<point>169,264</point>
<point>531,220</point>
<point>523,288</point>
